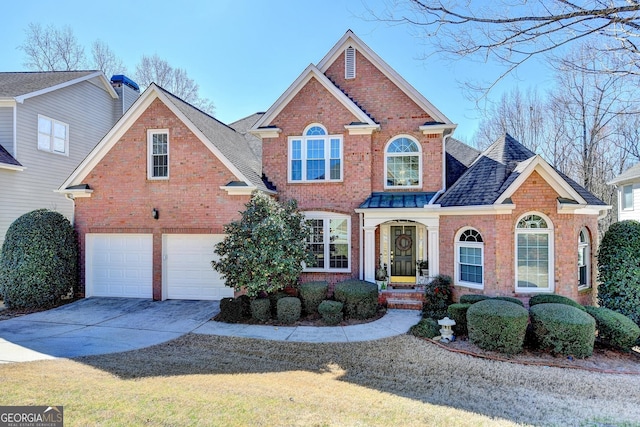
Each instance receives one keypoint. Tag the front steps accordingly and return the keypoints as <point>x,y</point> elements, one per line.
<point>403,298</point>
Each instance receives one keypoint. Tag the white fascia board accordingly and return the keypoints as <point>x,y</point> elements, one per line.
<point>361,129</point>
<point>351,39</point>
<point>98,74</point>
<point>235,190</point>
<point>427,129</point>
<point>577,209</point>
<point>503,209</point>
<point>7,102</point>
<point>266,132</point>
<point>75,194</point>
<point>12,167</point>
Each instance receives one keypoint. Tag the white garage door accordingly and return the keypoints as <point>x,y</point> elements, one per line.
<point>119,265</point>
<point>188,272</point>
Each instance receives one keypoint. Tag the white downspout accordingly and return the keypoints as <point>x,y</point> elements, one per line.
<point>444,168</point>
<point>361,250</point>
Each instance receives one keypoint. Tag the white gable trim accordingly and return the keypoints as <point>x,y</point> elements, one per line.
<point>350,39</point>
<point>310,72</point>
<point>99,74</point>
<point>123,125</point>
<point>11,167</point>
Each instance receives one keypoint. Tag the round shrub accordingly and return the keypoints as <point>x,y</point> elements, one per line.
<point>245,303</point>
<point>425,328</point>
<point>619,269</point>
<point>614,329</point>
<point>510,299</point>
<point>261,309</point>
<point>230,310</point>
<point>553,299</point>
<point>331,312</point>
<point>289,310</point>
<point>437,297</point>
<point>312,294</point>
<point>274,298</point>
<point>563,329</point>
<point>458,312</point>
<point>472,298</point>
<point>39,260</point>
<point>360,298</point>
<point>497,325</point>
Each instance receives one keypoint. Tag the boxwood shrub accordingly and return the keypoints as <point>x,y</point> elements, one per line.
<point>563,329</point>
<point>261,309</point>
<point>614,329</point>
<point>39,260</point>
<point>230,310</point>
<point>511,299</point>
<point>426,328</point>
<point>289,310</point>
<point>472,298</point>
<point>360,298</point>
<point>553,299</point>
<point>331,312</point>
<point>274,297</point>
<point>312,294</point>
<point>458,312</point>
<point>497,325</point>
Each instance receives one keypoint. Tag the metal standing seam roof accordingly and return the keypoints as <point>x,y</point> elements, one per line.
<point>397,200</point>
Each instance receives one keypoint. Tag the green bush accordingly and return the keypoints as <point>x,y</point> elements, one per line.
<point>497,325</point>
<point>458,312</point>
<point>331,312</point>
<point>274,298</point>
<point>472,298</point>
<point>553,299</point>
<point>614,329</point>
<point>619,269</point>
<point>437,297</point>
<point>245,303</point>
<point>39,260</point>
<point>289,310</point>
<point>261,309</point>
<point>312,294</point>
<point>425,328</point>
<point>563,329</point>
<point>360,298</point>
<point>230,310</point>
<point>510,299</point>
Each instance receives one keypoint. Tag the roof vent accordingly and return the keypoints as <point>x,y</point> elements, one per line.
<point>350,63</point>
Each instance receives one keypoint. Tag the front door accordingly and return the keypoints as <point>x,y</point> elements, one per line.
<point>403,257</point>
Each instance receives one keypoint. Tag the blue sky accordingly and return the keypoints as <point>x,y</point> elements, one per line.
<point>245,53</point>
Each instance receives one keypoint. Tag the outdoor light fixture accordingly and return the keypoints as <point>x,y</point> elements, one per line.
<point>446,333</point>
<point>155,214</point>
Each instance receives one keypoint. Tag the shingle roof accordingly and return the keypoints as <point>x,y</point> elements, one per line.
<point>232,144</point>
<point>20,83</point>
<point>633,173</point>
<point>7,158</point>
<point>242,126</point>
<point>397,200</point>
<point>459,156</point>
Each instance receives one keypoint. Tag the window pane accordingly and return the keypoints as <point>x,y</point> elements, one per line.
<point>627,197</point>
<point>402,145</point>
<point>316,130</point>
<point>59,145</point>
<point>335,169</point>
<point>60,130</point>
<point>470,273</point>
<point>296,149</point>
<point>339,244</point>
<point>44,125</point>
<point>316,242</point>
<point>403,170</point>
<point>315,169</point>
<point>44,142</point>
<point>533,260</point>
<point>296,170</point>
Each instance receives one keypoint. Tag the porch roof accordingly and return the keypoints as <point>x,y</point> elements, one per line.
<point>397,200</point>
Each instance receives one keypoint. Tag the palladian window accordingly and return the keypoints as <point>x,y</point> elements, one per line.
<point>315,156</point>
<point>469,259</point>
<point>534,254</point>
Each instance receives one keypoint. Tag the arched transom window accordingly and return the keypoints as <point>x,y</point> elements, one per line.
<point>534,254</point>
<point>315,156</point>
<point>470,259</point>
<point>403,163</point>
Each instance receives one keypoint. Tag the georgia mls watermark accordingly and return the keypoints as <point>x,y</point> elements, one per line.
<point>31,416</point>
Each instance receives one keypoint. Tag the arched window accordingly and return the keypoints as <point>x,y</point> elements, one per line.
<point>469,259</point>
<point>584,259</point>
<point>315,156</point>
<point>403,163</point>
<point>534,254</point>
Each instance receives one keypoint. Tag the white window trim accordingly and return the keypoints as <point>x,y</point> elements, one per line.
<point>327,156</point>
<point>626,208</point>
<point>420,166</point>
<point>587,258</point>
<point>458,273</point>
<point>548,231</point>
<point>51,136</point>
<point>150,133</point>
<point>326,216</point>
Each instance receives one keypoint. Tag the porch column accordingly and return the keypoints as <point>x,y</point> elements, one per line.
<point>370,253</point>
<point>433,233</point>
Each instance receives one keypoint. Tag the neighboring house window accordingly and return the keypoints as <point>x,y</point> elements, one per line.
<point>53,136</point>
<point>350,63</point>
<point>627,197</point>
<point>403,163</point>
<point>158,153</point>
<point>315,156</point>
<point>469,259</point>
<point>330,241</point>
<point>584,259</point>
<point>534,254</point>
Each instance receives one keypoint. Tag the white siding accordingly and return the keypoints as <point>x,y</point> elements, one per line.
<point>629,213</point>
<point>6,128</point>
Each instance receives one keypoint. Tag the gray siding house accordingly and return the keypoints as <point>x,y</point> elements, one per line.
<point>49,121</point>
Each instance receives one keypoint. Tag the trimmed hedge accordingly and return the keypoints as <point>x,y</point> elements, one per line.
<point>614,329</point>
<point>472,298</point>
<point>458,312</point>
<point>230,310</point>
<point>360,298</point>
<point>563,329</point>
<point>425,328</point>
<point>437,297</point>
<point>312,294</point>
<point>331,312</point>
<point>553,299</point>
<point>289,310</point>
<point>497,325</point>
<point>261,309</point>
<point>510,299</point>
<point>39,260</point>
<point>274,297</point>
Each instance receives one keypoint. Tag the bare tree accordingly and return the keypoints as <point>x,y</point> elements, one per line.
<point>104,59</point>
<point>52,49</point>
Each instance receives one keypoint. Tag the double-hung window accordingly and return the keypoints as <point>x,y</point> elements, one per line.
<point>534,254</point>
<point>469,259</point>
<point>53,136</point>
<point>329,241</point>
<point>627,197</point>
<point>315,156</point>
<point>158,154</point>
<point>403,163</point>
<point>584,259</point>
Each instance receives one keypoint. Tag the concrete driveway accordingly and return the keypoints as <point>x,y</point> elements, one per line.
<point>98,326</point>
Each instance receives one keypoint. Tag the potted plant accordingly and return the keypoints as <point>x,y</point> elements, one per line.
<point>423,267</point>
<point>381,275</point>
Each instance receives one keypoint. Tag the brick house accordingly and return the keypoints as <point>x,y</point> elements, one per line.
<point>373,166</point>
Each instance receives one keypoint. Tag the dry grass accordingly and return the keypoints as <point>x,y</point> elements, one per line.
<point>208,380</point>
